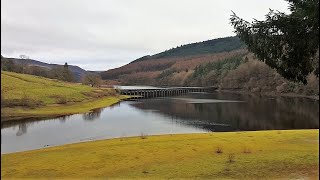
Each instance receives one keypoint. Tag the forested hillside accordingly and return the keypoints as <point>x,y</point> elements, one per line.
<point>228,65</point>
<point>185,57</point>
<point>226,44</point>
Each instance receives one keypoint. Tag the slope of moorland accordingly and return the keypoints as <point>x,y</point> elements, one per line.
<point>242,155</point>
<point>227,65</point>
<point>25,96</point>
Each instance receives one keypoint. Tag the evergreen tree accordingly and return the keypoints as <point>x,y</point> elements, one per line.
<point>287,43</point>
<point>66,74</point>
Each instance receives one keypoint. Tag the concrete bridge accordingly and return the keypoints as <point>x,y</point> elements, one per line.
<point>162,92</point>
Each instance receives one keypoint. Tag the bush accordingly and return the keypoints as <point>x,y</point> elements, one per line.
<point>218,150</point>
<point>246,150</point>
<point>143,136</point>
<point>117,90</point>
<point>28,101</point>
<point>25,101</point>
<point>112,92</point>
<point>231,158</point>
<point>253,74</point>
<point>61,100</point>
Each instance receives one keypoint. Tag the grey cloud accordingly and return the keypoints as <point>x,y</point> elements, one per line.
<point>111,33</point>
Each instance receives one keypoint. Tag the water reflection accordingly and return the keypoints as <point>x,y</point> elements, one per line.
<point>63,119</point>
<point>94,114</point>
<point>254,113</point>
<point>192,113</point>
<point>22,129</point>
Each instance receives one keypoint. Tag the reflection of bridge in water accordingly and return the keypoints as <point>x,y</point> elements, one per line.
<point>162,92</point>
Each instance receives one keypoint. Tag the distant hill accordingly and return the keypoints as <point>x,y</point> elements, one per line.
<point>226,44</point>
<point>77,72</point>
<point>183,58</point>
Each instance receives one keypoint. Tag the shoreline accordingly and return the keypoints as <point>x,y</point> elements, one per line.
<point>288,95</point>
<point>156,135</point>
<point>178,155</point>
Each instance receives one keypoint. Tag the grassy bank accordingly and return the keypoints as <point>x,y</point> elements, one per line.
<point>28,96</point>
<point>241,155</point>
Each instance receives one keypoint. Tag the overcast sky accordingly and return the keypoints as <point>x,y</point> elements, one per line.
<point>104,34</point>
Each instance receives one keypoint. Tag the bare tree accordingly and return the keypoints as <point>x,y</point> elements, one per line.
<point>92,79</point>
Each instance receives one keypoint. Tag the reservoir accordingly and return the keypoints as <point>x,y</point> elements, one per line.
<point>189,113</point>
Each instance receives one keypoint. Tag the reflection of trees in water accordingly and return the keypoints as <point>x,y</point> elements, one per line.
<point>24,123</point>
<point>22,129</point>
<point>22,126</point>
<point>254,114</point>
<point>94,114</point>
<point>114,105</point>
<point>63,119</point>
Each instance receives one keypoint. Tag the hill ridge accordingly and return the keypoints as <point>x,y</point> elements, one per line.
<point>77,71</point>
<point>217,45</point>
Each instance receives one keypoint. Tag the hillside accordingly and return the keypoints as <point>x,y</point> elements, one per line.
<point>25,95</point>
<point>15,86</point>
<point>222,62</point>
<point>218,45</point>
<point>77,72</point>
<point>183,58</point>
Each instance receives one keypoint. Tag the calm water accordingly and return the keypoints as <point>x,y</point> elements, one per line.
<point>191,113</point>
<point>136,87</point>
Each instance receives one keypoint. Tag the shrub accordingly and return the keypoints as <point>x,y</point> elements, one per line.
<point>117,90</point>
<point>25,101</point>
<point>143,136</point>
<point>32,103</point>
<point>231,158</point>
<point>246,150</point>
<point>219,150</point>
<point>112,92</point>
<point>62,99</point>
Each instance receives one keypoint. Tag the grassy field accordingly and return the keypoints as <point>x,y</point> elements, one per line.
<point>240,155</point>
<point>32,96</point>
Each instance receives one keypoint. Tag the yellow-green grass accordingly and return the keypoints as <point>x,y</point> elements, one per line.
<point>77,98</point>
<point>257,155</point>
<point>16,86</point>
<point>58,110</point>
